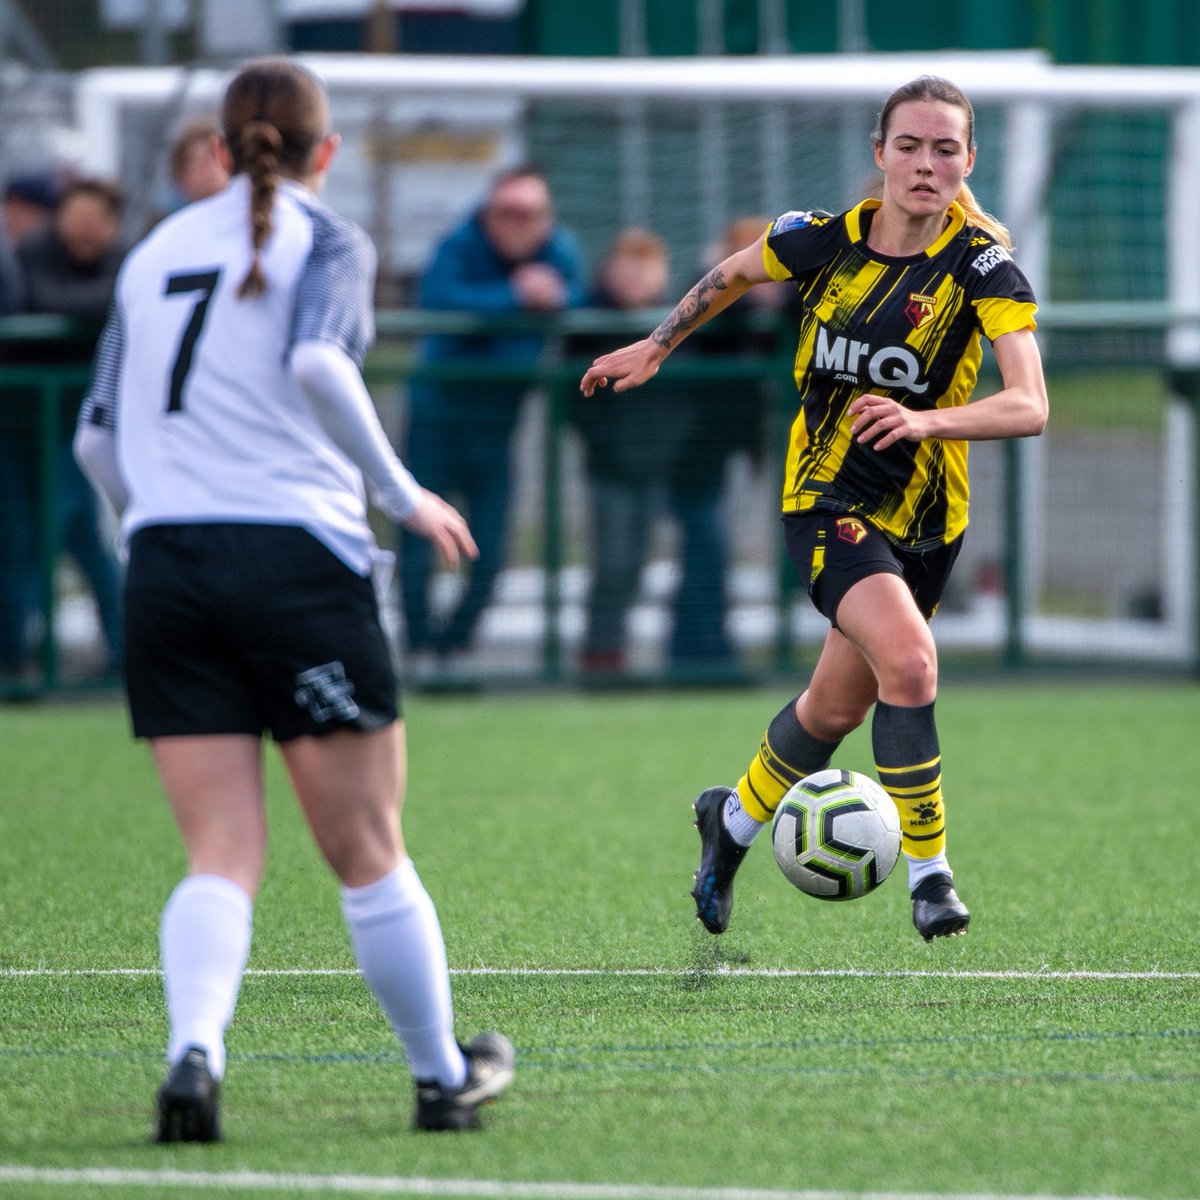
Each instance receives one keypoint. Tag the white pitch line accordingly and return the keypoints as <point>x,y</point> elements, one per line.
<point>382,1185</point>
<point>647,972</point>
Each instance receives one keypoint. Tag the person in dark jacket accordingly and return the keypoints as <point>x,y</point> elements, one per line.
<point>69,269</point>
<point>631,444</point>
<point>26,206</point>
<point>509,256</point>
<point>729,417</point>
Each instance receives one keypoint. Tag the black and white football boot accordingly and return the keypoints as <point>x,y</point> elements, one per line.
<point>720,857</point>
<point>937,910</point>
<point>490,1067</point>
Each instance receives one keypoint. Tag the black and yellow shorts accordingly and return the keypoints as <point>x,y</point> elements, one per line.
<point>832,552</point>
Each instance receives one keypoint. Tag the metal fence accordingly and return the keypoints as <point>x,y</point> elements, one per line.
<point>1010,606</point>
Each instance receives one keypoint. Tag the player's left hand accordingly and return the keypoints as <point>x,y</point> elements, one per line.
<point>884,422</point>
<point>440,522</point>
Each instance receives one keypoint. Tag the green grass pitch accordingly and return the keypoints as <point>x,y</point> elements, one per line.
<point>812,1048</point>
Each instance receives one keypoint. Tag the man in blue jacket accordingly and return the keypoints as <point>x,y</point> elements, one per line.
<point>508,257</point>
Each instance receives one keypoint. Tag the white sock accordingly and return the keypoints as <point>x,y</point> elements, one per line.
<point>204,941</point>
<point>922,868</point>
<point>739,824</point>
<point>398,943</point>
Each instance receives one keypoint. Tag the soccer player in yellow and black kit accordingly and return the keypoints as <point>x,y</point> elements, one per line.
<point>896,294</point>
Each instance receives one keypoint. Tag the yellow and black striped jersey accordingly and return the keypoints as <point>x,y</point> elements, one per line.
<point>907,328</point>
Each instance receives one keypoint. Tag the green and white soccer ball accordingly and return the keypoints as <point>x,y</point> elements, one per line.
<point>836,835</point>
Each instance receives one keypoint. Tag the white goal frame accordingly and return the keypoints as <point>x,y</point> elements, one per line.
<point>1026,84</point>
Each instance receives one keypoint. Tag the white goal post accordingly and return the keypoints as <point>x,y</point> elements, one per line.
<point>1119,267</point>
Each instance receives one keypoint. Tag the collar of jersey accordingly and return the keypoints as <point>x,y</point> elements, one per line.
<point>854,227</point>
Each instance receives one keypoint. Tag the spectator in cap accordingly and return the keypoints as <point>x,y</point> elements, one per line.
<point>29,201</point>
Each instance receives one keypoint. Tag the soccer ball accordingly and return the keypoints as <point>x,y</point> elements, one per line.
<point>836,835</point>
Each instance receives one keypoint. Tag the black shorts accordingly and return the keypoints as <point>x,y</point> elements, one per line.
<point>832,552</point>
<point>250,629</point>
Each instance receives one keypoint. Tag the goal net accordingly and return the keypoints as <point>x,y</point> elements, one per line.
<point>1082,543</point>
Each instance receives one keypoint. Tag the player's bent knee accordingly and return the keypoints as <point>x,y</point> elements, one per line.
<point>909,677</point>
<point>838,720</point>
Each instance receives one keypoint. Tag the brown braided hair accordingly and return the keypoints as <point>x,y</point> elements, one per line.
<point>934,87</point>
<point>274,116</point>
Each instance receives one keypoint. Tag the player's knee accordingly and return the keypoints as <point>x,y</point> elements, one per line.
<point>358,858</point>
<point>909,676</point>
<point>831,717</point>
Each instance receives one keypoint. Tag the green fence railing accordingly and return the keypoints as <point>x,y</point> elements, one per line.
<point>40,391</point>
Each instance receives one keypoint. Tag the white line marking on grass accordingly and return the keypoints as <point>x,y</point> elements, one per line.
<point>382,1185</point>
<point>648,972</point>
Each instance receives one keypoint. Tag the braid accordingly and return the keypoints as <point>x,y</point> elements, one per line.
<point>259,148</point>
<point>274,115</point>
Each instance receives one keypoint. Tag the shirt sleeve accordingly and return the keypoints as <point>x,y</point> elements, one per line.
<point>795,242</point>
<point>335,293</point>
<point>102,402</point>
<point>1003,299</point>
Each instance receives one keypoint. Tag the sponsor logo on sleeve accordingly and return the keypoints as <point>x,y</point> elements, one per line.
<point>993,256</point>
<point>794,220</point>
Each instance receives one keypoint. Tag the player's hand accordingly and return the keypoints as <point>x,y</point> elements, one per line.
<point>883,422</point>
<point>625,368</point>
<point>444,526</point>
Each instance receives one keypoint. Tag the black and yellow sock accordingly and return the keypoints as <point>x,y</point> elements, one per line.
<point>786,754</point>
<point>909,762</point>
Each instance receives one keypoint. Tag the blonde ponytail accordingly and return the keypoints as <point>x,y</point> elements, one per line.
<point>983,220</point>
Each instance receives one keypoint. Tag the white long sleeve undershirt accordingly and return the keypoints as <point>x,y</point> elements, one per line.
<point>347,414</point>
<point>96,453</point>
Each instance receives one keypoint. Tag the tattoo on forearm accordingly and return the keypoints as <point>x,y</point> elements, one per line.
<point>691,308</point>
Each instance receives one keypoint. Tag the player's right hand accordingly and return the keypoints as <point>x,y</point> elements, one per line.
<point>444,526</point>
<point>626,368</point>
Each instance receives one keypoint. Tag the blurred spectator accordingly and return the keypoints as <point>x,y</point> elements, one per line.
<point>631,441</point>
<point>196,170</point>
<point>730,418</point>
<point>508,257</point>
<point>28,206</point>
<point>68,269</point>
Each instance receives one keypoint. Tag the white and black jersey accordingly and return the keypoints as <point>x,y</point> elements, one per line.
<point>210,424</point>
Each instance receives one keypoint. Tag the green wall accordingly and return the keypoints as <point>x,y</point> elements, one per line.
<point>1157,32</point>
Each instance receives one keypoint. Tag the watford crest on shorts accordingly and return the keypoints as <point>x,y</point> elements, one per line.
<point>851,529</point>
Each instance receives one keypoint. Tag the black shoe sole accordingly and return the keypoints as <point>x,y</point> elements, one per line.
<point>955,927</point>
<point>952,922</point>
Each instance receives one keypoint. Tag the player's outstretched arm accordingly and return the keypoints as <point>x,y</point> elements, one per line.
<point>632,365</point>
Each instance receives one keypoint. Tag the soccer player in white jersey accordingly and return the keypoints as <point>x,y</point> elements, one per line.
<point>230,427</point>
